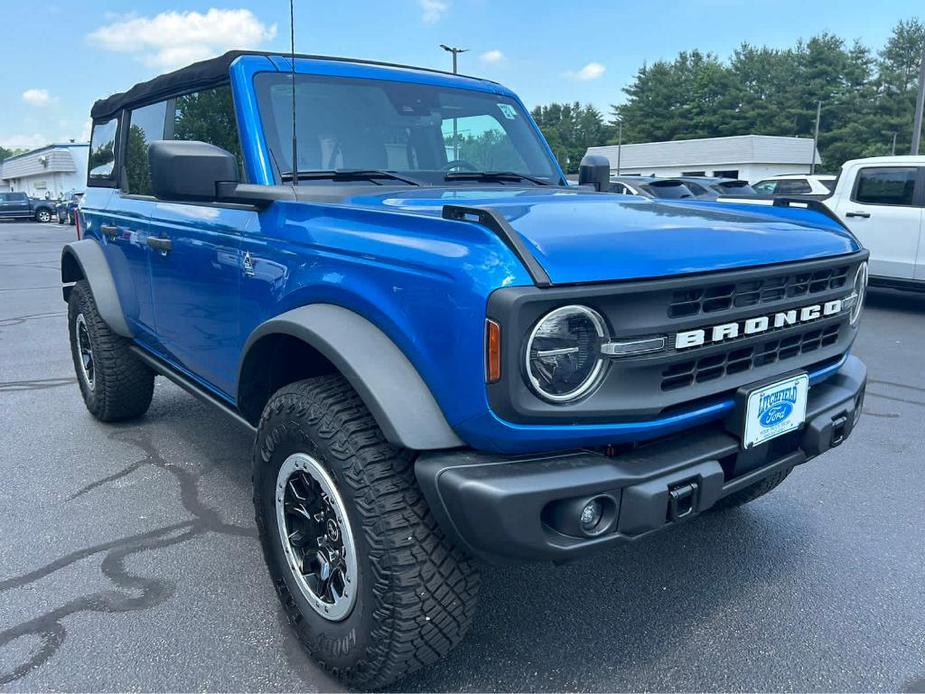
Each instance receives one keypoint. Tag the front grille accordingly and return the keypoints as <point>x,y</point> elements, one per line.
<point>736,360</point>
<point>723,297</point>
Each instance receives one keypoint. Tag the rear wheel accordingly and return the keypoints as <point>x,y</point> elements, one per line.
<point>115,384</point>
<point>367,578</point>
<point>43,215</point>
<point>752,492</point>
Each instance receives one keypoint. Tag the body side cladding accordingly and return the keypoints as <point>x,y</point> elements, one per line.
<point>378,370</point>
<point>85,260</point>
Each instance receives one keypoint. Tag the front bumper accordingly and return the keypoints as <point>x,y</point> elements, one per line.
<point>525,507</point>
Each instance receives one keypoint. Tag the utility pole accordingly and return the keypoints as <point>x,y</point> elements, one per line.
<point>919,106</point>
<point>812,167</point>
<point>619,144</point>
<point>455,51</point>
<point>893,147</point>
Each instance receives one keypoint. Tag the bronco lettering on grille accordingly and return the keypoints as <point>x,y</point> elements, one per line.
<point>757,325</point>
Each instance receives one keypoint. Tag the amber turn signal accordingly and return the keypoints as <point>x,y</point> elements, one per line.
<point>492,351</point>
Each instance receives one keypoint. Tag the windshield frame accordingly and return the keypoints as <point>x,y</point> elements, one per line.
<point>278,143</point>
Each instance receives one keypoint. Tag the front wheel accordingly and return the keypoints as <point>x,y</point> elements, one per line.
<point>369,582</point>
<point>43,215</point>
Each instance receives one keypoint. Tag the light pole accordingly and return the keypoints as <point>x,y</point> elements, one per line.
<point>919,107</point>
<point>455,51</point>
<point>812,167</point>
<point>619,144</point>
<point>893,147</point>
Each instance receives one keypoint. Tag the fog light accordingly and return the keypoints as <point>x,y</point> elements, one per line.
<point>591,515</point>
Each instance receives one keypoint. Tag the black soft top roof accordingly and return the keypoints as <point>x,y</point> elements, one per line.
<point>206,73</point>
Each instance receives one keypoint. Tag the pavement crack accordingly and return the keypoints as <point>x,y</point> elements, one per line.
<point>17,320</point>
<point>49,627</point>
<point>36,384</point>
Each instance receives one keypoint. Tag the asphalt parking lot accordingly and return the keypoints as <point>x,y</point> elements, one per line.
<point>128,558</point>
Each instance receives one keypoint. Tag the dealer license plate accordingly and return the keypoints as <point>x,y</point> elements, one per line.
<point>775,410</point>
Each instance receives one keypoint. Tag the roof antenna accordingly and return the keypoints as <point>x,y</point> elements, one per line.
<point>295,143</point>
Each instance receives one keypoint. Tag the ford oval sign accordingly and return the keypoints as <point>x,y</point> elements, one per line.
<point>776,414</point>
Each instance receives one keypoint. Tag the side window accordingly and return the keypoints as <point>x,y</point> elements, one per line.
<point>765,187</point>
<point>695,188</point>
<point>207,116</point>
<point>482,142</point>
<point>880,186</point>
<point>146,125</point>
<point>102,157</point>
<point>793,187</point>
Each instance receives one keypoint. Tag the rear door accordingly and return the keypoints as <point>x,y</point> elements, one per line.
<point>883,210</point>
<point>18,205</point>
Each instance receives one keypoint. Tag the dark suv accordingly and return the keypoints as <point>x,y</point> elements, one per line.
<point>444,352</point>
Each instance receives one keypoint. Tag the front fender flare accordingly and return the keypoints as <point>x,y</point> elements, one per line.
<point>85,260</point>
<point>378,370</point>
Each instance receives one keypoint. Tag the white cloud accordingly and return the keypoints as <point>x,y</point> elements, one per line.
<point>36,97</point>
<point>589,72</point>
<point>433,10</point>
<point>173,39</point>
<point>24,140</point>
<point>493,56</point>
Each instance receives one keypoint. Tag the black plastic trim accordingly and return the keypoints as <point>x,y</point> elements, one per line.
<point>496,506</point>
<point>190,386</point>
<point>637,309</point>
<point>494,220</point>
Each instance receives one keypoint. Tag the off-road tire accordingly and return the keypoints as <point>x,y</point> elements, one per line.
<point>752,492</point>
<point>123,385</point>
<point>43,215</point>
<point>416,592</point>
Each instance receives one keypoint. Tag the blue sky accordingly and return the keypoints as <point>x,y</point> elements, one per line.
<point>61,55</point>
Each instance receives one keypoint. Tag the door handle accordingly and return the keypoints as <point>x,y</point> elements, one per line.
<point>109,230</point>
<point>162,245</point>
<point>865,215</point>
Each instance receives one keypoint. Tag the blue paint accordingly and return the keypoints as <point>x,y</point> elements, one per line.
<point>424,281</point>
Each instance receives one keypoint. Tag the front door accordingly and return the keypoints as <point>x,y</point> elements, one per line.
<point>883,213</point>
<point>197,268</point>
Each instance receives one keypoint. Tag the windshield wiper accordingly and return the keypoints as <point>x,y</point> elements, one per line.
<point>351,175</point>
<point>493,176</point>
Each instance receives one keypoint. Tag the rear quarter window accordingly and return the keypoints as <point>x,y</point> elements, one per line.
<point>102,158</point>
<point>885,186</point>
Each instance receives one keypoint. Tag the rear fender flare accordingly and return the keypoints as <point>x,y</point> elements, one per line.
<point>85,260</point>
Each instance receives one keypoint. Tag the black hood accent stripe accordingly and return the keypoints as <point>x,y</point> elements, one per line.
<point>495,221</point>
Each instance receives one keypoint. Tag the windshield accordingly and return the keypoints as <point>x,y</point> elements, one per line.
<point>669,190</point>
<point>421,131</point>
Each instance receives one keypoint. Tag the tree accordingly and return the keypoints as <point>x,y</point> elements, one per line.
<point>570,129</point>
<point>6,153</point>
<point>767,91</point>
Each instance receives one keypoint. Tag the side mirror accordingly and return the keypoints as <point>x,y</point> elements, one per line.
<point>189,171</point>
<point>595,170</point>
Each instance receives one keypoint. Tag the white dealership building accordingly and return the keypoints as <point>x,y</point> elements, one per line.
<point>52,171</point>
<point>749,157</point>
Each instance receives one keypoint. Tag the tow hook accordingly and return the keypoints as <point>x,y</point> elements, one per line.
<point>681,500</point>
<point>839,425</point>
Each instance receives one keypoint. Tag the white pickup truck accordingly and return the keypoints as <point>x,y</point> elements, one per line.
<point>882,200</point>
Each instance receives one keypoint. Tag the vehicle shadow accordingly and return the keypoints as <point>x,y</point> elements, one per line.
<point>607,619</point>
<point>896,300</point>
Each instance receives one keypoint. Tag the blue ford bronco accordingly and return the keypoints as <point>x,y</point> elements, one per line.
<point>446,353</point>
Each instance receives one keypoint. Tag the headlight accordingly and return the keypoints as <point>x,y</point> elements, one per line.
<point>860,289</point>
<point>564,358</point>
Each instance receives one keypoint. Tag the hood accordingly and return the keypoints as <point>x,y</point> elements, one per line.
<point>579,236</point>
